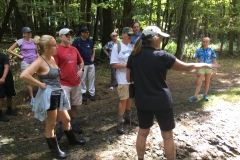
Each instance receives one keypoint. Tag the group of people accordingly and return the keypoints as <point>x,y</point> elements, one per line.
<point>62,71</point>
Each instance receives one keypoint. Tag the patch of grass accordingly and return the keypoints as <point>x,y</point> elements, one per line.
<point>231,95</point>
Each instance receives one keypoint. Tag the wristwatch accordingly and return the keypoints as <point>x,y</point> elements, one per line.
<point>82,69</point>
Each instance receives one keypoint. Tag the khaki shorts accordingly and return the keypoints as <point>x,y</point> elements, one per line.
<point>24,65</point>
<point>205,71</point>
<point>74,94</point>
<point>123,91</point>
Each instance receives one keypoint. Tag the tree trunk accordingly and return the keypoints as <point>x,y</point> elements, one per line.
<point>22,19</point>
<point>83,11</point>
<point>158,12</point>
<point>107,25</point>
<point>127,18</point>
<point>6,19</point>
<point>231,39</point>
<point>181,32</point>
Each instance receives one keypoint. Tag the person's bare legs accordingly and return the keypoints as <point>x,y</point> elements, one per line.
<point>30,90</point>
<point>129,104</point>
<point>9,102</point>
<point>207,83</point>
<point>50,123</point>
<point>169,145</point>
<point>1,103</point>
<point>141,142</point>
<point>122,106</point>
<point>199,84</point>
<point>64,118</point>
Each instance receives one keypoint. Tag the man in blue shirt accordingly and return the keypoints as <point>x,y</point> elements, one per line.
<point>136,30</point>
<point>86,48</point>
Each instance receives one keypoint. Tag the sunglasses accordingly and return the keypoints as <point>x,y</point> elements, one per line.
<point>114,35</point>
<point>130,35</point>
<point>67,35</point>
<point>86,32</point>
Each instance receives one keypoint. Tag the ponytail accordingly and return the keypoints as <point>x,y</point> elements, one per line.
<point>141,41</point>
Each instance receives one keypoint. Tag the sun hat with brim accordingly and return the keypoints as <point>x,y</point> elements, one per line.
<point>128,30</point>
<point>154,30</point>
<point>26,29</point>
<point>65,31</point>
<point>113,34</point>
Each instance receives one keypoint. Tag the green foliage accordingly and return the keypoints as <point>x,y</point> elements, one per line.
<point>190,48</point>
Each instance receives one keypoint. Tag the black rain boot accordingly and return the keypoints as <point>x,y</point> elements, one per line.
<point>72,138</point>
<point>54,148</point>
<point>120,128</point>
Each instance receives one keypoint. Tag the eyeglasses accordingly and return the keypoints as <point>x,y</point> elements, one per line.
<point>114,35</point>
<point>86,32</point>
<point>67,35</point>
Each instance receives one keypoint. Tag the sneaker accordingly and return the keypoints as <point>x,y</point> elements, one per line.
<point>76,129</point>
<point>32,101</point>
<point>111,88</point>
<point>3,118</point>
<point>11,112</point>
<point>84,97</point>
<point>92,98</point>
<point>59,133</point>
<point>192,99</point>
<point>206,97</point>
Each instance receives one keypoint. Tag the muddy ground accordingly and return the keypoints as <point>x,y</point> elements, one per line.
<point>204,130</point>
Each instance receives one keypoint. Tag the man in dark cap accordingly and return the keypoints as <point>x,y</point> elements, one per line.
<point>119,58</point>
<point>86,48</point>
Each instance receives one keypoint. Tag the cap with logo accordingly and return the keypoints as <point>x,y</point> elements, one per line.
<point>154,30</point>
<point>83,29</point>
<point>65,31</point>
<point>26,29</point>
<point>128,30</point>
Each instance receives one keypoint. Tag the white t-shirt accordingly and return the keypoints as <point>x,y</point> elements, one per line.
<point>122,58</point>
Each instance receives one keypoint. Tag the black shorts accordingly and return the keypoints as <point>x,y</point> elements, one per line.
<point>7,89</point>
<point>164,118</point>
<point>54,102</point>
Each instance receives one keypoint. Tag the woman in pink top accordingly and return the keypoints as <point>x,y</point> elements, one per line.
<point>28,53</point>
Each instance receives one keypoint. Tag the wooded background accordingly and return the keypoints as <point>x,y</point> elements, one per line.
<point>185,20</point>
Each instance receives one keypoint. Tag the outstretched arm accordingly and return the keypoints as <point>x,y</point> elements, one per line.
<point>182,66</point>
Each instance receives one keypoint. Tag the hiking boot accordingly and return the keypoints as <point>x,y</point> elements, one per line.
<point>32,101</point>
<point>120,128</point>
<point>130,121</point>
<point>92,98</point>
<point>76,129</point>
<point>84,97</point>
<point>11,112</point>
<point>206,97</point>
<point>59,133</point>
<point>192,99</point>
<point>3,118</point>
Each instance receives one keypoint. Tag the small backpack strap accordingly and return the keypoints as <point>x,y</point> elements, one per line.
<point>119,47</point>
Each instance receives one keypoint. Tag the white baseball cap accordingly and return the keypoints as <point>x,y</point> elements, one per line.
<point>113,33</point>
<point>154,30</point>
<point>65,31</point>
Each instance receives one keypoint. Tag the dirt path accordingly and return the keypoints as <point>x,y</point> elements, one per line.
<point>204,130</point>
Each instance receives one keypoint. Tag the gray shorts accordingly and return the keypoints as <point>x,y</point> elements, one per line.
<point>24,65</point>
